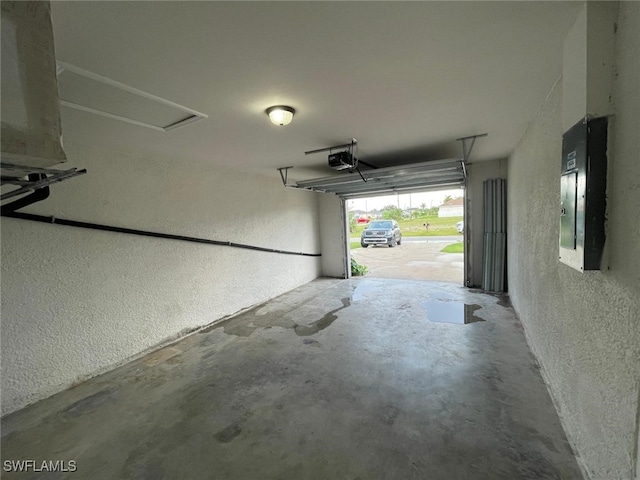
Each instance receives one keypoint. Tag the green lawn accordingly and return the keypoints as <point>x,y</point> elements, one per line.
<point>353,245</point>
<point>454,248</point>
<point>414,227</point>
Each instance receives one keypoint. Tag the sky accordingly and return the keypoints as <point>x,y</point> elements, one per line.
<point>404,201</point>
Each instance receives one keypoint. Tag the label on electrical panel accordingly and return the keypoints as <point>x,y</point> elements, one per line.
<point>571,160</point>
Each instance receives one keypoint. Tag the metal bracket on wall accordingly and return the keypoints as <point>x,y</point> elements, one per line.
<point>284,175</point>
<point>467,147</point>
<point>31,179</point>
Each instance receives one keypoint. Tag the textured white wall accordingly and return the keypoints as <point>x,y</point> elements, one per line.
<point>574,72</point>
<point>584,327</point>
<point>478,173</point>
<point>332,235</point>
<point>76,302</point>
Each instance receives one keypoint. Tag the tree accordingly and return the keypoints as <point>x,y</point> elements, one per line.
<point>423,211</point>
<point>447,198</point>
<point>391,212</point>
<point>352,222</point>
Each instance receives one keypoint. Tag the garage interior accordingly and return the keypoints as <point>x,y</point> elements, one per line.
<point>348,394</point>
<point>213,330</point>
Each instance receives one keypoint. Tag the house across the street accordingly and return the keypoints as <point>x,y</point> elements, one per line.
<point>452,208</point>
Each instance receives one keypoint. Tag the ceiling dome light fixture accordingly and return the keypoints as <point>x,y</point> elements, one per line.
<point>280,114</point>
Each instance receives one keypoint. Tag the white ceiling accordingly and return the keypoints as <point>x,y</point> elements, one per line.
<point>404,78</point>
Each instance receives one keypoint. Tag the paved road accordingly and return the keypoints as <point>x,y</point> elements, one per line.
<point>413,261</point>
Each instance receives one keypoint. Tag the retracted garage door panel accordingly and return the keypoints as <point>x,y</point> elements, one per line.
<point>399,179</point>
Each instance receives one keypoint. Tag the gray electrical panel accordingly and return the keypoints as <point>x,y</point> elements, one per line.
<point>583,194</point>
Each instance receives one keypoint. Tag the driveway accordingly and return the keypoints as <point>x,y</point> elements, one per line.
<point>412,261</point>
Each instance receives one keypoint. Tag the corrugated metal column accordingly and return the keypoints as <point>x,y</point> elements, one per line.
<point>346,247</point>
<point>468,255</point>
<point>495,235</point>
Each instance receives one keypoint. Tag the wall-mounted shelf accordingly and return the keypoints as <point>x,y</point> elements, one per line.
<point>32,181</point>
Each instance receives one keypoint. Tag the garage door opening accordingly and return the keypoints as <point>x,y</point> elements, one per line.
<point>417,236</point>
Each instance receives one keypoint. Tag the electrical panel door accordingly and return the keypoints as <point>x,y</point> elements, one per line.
<point>568,193</point>
<point>583,185</point>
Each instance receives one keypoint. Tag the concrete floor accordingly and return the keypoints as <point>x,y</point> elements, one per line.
<point>412,261</point>
<point>338,379</point>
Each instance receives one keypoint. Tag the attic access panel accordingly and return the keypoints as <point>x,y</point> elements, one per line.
<point>398,179</point>
<point>87,91</point>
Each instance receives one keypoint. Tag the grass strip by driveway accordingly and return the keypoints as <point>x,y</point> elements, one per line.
<point>454,248</point>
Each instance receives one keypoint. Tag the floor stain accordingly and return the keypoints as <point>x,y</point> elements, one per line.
<point>160,356</point>
<point>503,297</point>
<point>448,310</point>
<point>227,434</point>
<point>244,325</point>
<point>87,404</point>
<point>503,301</point>
<point>140,465</point>
<point>389,414</point>
<point>324,322</point>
